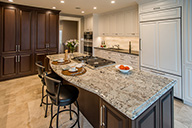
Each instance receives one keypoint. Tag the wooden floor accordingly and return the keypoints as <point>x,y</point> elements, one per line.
<point>20,100</point>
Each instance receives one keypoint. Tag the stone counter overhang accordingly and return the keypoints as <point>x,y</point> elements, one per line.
<point>130,93</point>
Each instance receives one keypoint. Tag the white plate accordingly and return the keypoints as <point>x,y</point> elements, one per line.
<point>60,60</point>
<point>124,71</point>
<point>71,70</point>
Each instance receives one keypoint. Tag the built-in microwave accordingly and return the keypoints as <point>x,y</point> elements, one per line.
<point>88,35</point>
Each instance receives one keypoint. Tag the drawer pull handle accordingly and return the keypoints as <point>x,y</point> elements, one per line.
<point>101,115</point>
<point>156,8</point>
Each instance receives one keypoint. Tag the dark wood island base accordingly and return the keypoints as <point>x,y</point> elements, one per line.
<point>102,115</point>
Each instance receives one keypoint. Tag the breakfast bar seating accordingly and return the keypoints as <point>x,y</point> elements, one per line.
<point>61,95</point>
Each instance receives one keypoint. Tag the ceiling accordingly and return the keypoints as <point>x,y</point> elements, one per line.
<point>86,5</point>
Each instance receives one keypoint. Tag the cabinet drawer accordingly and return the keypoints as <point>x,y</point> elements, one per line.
<point>165,14</point>
<point>159,5</point>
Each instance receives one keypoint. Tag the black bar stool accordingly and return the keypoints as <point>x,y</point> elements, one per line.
<point>61,95</point>
<point>41,71</point>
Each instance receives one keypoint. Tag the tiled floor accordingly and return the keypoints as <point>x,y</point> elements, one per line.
<point>20,100</point>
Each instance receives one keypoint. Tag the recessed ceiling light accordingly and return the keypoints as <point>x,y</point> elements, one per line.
<point>113,2</point>
<point>10,0</point>
<point>54,7</point>
<point>94,7</point>
<point>82,11</point>
<point>62,1</point>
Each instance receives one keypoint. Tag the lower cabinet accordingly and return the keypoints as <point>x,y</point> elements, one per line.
<point>111,118</point>
<point>8,65</point>
<point>119,58</point>
<point>150,118</point>
<point>25,64</point>
<point>159,115</point>
<point>188,84</point>
<point>16,65</point>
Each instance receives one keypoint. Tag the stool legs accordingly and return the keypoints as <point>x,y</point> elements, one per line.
<point>70,112</point>
<point>42,95</point>
<point>78,113</point>
<point>46,106</point>
<point>57,121</point>
<point>50,126</point>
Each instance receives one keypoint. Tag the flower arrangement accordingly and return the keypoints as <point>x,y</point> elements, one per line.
<point>72,44</point>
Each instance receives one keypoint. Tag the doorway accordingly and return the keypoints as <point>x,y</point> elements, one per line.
<point>69,28</point>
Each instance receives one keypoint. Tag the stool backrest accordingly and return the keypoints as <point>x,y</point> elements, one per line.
<point>40,69</point>
<point>53,87</point>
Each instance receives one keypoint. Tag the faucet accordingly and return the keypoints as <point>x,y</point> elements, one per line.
<point>116,46</point>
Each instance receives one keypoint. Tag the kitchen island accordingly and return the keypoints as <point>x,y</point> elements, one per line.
<point>110,99</point>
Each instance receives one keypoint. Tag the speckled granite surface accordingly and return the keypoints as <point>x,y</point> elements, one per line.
<point>130,93</point>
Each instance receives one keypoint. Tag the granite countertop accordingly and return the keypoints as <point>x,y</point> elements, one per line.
<point>130,93</point>
<point>120,50</point>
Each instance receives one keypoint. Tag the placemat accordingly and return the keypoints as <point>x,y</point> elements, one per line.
<point>61,63</point>
<point>80,71</point>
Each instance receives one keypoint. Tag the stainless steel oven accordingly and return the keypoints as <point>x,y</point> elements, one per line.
<point>88,43</point>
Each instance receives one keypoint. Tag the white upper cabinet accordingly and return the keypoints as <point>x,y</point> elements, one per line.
<point>148,45</point>
<point>159,5</point>
<point>112,25</point>
<point>122,23</point>
<point>104,25</point>
<point>131,23</point>
<point>169,46</point>
<point>120,19</point>
<point>88,23</point>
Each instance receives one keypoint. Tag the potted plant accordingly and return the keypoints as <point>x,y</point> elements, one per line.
<point>71,44</point>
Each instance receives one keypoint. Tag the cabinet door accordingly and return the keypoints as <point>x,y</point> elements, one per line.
<point>25,64</point>
<point>159,5</point>
<point>150,118</point>
<point>26,26</point>
<point>40,57</point>
<point>52,31</point>
<point>120,23</point>
<point>169,46</point>
<point>111,118</point>
<point>40,31</point>
<point>166,111</point>
<point>148,44</point>
<point>106,25</point>
<point>8,65</point>
<point>112,25</point>
<point>10,33</point>
<point>188,84</point>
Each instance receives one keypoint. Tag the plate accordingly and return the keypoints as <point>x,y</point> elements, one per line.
<point>71,70</point>
<point>123,71</point>
<point>60,60</point>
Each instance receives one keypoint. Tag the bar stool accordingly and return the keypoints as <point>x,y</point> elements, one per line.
<point>41,71</point>
<point>61,95</point>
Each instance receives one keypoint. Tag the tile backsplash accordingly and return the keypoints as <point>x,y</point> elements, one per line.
<point>123,42</point>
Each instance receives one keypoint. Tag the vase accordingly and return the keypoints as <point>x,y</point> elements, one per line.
<point>71,51</point>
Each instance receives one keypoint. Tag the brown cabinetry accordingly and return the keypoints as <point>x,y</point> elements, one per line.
<point>111,118</point>
<point>25,33</point>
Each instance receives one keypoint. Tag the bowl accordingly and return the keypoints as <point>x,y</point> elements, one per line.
<point>124,71</point>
